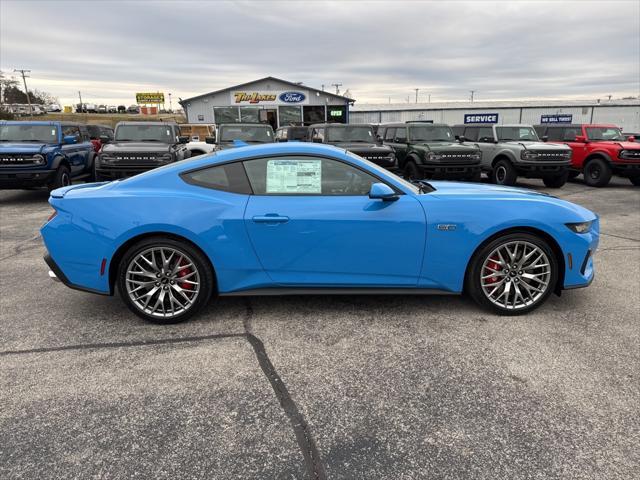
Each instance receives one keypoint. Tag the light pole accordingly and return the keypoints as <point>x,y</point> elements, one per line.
<point>170,107</point>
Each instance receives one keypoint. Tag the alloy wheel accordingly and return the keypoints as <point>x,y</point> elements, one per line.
<point>501,174</point>
<point>515,275</point>
<point>162,282</point>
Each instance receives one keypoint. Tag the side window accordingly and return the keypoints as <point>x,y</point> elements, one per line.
<point>317,135</point>
<point>85,134</point>
<point>389,134</point>
<point>471,134</point>
<point>306,176</point>
<point>72,130</point>
<point>570,134</point>
<point>401,135</point>
<point>230,177</point>
<point>108,132</point>
<point>485,135</point>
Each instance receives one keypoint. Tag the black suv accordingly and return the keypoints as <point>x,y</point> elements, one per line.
<point>229,134</point>
<point>290,133</point>
<point>138,147</point>
<point>358,139</point>
<point>430,150</point>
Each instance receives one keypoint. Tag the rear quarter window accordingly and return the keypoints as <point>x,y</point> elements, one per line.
<point>230,177</point>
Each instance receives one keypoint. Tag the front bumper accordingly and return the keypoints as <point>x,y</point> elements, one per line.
<point>114,173</point>
<point>541,169</point>
<point>626,169</point>
<point>17,178</point>
<point>449,171</point>
<point>579,253</point>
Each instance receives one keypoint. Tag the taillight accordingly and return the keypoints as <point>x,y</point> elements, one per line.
<point>53,214</point>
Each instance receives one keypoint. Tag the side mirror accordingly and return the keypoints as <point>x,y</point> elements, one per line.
<point>379,139</point>
<point>104,138</point>
<point>545,138</point>
<point>183,139</point>
<point>382,191</point>
<point>631,138</point>
<point>461,138</point>
<point>210,140</point>
<point>580,138</point>
<point>70,139</point>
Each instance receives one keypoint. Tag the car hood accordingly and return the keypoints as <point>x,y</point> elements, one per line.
<point>362,147</point>
<point>625,145</point>
<point>447,147</point>
<point>135,147</point>
<point>483,192</point>
<point>542,146</point>
<point>26,148</point>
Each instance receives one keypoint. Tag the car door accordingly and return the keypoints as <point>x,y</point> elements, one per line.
<point>567,135</point>
<point>74,152</point>
<point>312,223</point>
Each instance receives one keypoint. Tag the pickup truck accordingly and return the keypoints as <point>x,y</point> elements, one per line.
<point>138,147</point>
<point>509,151</point>
<point>599,151</point>
<point>51,154</point>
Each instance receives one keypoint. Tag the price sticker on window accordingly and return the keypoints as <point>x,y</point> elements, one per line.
<point>294,176</point>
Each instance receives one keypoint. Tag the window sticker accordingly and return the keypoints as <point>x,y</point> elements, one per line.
<point>53,132</point>
<point>294,176</point>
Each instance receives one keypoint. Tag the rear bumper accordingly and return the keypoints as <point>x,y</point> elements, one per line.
<point>15,178</point>
<point>57,275</point>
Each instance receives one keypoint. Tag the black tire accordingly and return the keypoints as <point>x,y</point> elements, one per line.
<point>412,172</point>
<point>474,272</point>
<point>597,173</point>
<point>62,178</point>
<point>556,181</point>
<point>635,180</point>
<point>200,264</point>
<point>504,173</point>
<point>92,169</point>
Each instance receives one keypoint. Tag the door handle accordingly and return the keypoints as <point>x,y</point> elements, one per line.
<point>270,218</point>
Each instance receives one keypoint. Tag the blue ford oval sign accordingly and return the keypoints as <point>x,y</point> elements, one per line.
<point>292,97</point>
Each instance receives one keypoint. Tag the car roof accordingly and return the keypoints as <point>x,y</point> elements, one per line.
<point>35,122</point>
<point>324,125</point>
<point>145,123</point>
<point>99,125</point>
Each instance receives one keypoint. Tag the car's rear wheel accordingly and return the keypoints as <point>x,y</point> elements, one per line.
<point>597,173</point>
<point>556,181</point>
<point>513,274</point>
<point>62,178</point>
<point>504,173</point>
<point>163,280</point>
<point>635,180</point>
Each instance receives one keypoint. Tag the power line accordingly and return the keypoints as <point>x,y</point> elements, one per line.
<point>26,90</point>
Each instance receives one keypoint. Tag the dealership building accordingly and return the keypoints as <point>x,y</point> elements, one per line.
<point>624,113</point>
<point>271,100</point>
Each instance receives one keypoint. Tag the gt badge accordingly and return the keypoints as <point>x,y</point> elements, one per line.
<point>446,226</point>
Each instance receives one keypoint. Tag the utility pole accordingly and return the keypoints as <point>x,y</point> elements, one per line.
<point>24,80</point>
<point>417,90</point>
<point>429,101</point>
<point>472,92</point>
<point>170,107</point>
<point>337,85</point>
<point>81,105</point>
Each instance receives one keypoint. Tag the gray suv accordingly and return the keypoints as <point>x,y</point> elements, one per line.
<point>509,151</point>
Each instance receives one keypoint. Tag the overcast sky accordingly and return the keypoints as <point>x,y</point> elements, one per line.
<point>377,49</point>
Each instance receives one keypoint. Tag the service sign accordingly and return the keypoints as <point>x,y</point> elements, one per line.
<point>481,118</point>
<point>558,118</point>
<point>149,97</point>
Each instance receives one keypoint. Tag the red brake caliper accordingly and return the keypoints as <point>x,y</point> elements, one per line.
<point>183,273</point>
<point>492,264</point>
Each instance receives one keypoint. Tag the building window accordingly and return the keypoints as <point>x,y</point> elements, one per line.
<point>225,114</point>
<point>313,114</point>
<point>201,118</point>
<point>249,114</point>
<point>290,115</point>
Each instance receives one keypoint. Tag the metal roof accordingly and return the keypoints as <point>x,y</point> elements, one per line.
<point>376,107</point>
<point>242,85</point>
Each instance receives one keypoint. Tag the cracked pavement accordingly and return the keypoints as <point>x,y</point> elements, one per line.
<point>363,387</point>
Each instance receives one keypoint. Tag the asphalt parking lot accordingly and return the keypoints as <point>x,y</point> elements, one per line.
<point>322,387</point>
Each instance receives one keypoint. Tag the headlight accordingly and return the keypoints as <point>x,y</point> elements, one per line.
<point>432,156</point>
<point>39,159</point>
<point>105,159</point>
<point>581,227</point>
<point>477,156</point>
<point>167,157</point>
<point>568,154</point>
<point>528,155</point>
<point>391,156</point>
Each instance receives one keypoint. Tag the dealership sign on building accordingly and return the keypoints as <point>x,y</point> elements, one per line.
<point>481,118</point>
<point>254,98</point>
<point>557,118</point>
<point>149,97</point>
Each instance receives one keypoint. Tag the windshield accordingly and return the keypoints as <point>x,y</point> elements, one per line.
<point>382,172</point>
<point>431,133</point>
<point>144,133</point>
<point>29,133</point>
<point>526,134</point>
<point>245,133</point>
<point>350,134</point>
<point>604,133</point>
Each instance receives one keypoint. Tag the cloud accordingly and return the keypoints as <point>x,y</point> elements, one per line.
<point>109,50</point>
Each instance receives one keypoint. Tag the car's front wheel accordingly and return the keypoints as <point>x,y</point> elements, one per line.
<point>597,173</point>
<point>556,181</point>
<point>513,274</point>
<point>164,280</point>
<point>62,178</point>
<point>504,173</point>
<point>412,172</point>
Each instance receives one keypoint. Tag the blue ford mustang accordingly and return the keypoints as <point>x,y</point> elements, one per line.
<point>300,218</point>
